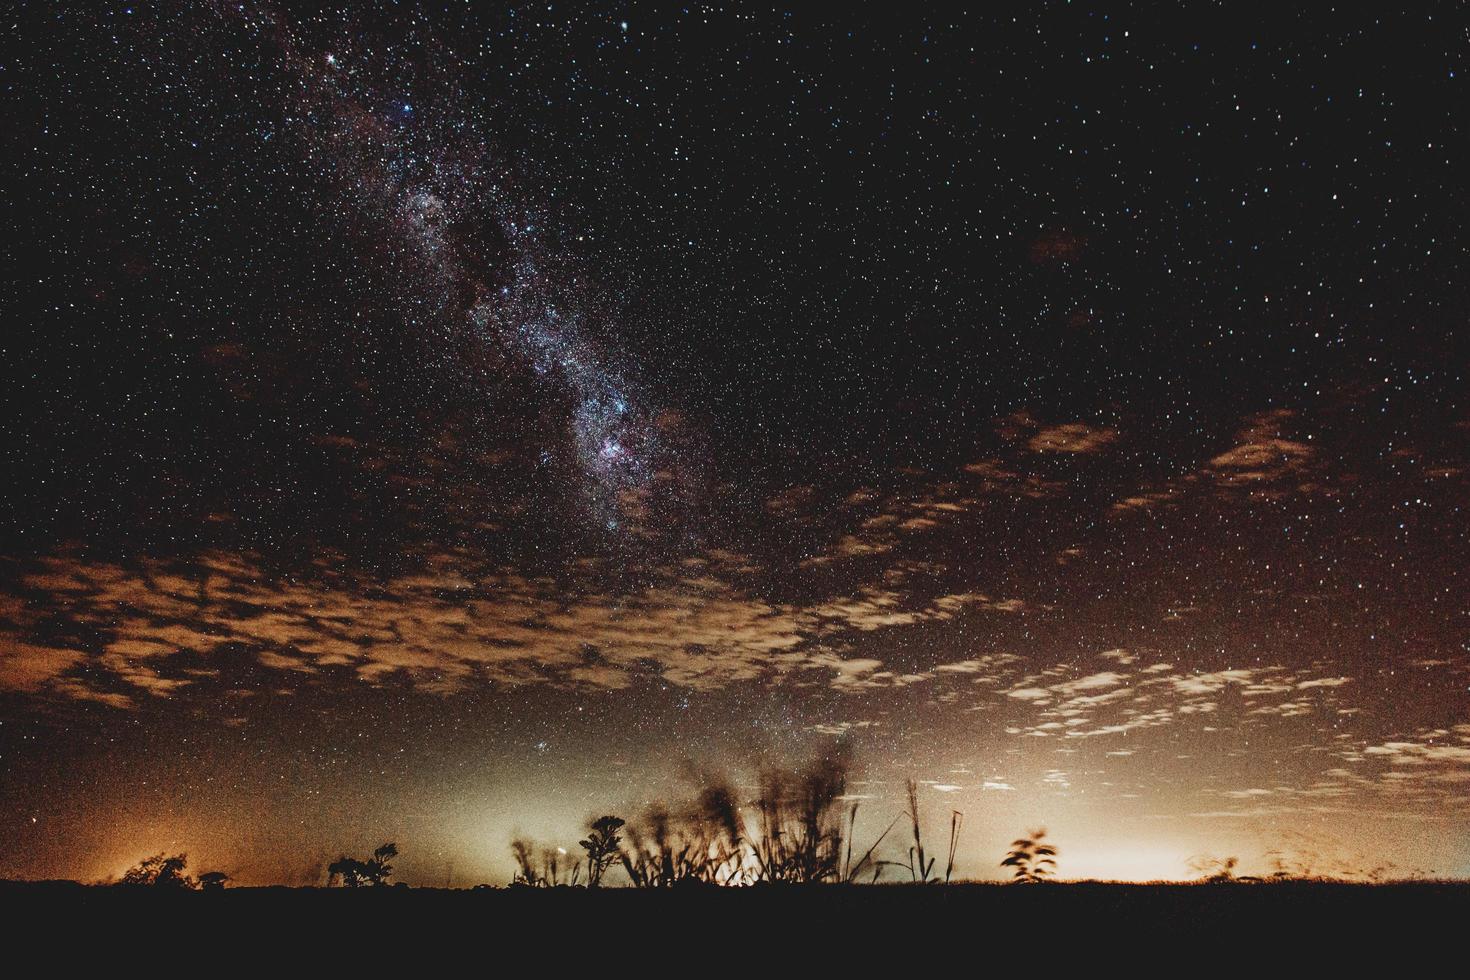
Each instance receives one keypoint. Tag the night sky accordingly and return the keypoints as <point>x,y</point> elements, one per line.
<point>438,423</point>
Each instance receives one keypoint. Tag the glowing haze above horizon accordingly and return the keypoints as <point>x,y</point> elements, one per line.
<point>435,427</point>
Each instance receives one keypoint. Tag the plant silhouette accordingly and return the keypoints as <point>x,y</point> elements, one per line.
<point>160,871</point>
<point>602,845</point>
<point>800,823</point>
<point>851,871</point>
<point>956,821</point>
<point>917,865</point>
<point>798,835</point>
<point>1214,870</point>
<point>524,853</point>
<point>1032,858</point>
<point>552,868</point>
<point>548,872</point>
<point>920,865</point>
<point>666,852</point>
<point>352,873</point>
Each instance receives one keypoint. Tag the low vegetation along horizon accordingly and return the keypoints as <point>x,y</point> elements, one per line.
<point>800,832</point>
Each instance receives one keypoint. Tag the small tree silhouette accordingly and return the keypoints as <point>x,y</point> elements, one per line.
<point>602,847</point>
<point>347,872</point>
<point>1032,858</point>
<point>159,871</point>
<point>352,873</point>
<point>378,869</point>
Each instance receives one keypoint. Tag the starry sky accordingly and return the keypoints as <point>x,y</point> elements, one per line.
<point>434,423</point>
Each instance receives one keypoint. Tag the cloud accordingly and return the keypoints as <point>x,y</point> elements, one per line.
<point>440,629</point>
<point>1145,500</point>
<point>1324,682</point>
<point>159,628</point>
<point>791,502</point>
<point>855,674</point>
<point>1074,437</point>
<point>1107,703</point>
<point>1267,460</point>
<point>850,546</point>
<point>1209,683</point>
<point>998,479</point>
<point>1264,457</point>
<point>842,727</point>
<point>1413,753</point>
<point>1091,682</point>
<point>27,667</point>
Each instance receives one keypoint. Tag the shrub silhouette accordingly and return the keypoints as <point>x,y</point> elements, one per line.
<point>160,871</point>
<point>798,835</point>
<point>1032,858</point>
<point>664,852</point>
<point>800,824</point>
<point>352,873</point>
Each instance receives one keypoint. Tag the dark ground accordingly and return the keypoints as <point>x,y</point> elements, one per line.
<point>1220,924</point>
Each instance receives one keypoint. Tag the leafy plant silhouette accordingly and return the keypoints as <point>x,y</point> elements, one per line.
<point>352,873</point>
<point>602,845</point>
<point>159,871</point>
<point>1032,858</point>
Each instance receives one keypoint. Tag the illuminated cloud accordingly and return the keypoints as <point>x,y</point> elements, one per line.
<point>455,625</point>
<point>27,667</point>
<point>1074,437</point>
<point>1265,460</point>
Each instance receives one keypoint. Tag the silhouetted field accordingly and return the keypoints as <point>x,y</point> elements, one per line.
<point>775,877</point>
<point>1056,914</point>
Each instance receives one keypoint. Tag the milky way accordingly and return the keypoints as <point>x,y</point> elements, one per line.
<point>425,182</point>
